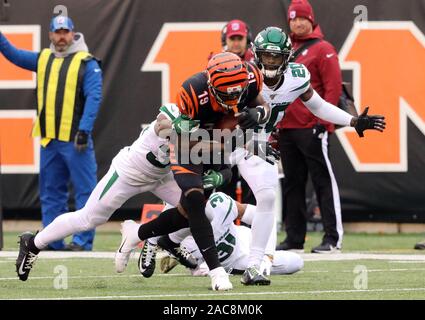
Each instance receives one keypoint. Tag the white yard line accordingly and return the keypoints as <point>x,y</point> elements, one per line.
<point>305,256</point>
<point>100,277</point>
<point>221,294</point>
<point>361,256</point>
<point>188,275</point>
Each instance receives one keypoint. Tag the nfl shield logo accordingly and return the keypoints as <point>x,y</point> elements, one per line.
<point>60,19</point>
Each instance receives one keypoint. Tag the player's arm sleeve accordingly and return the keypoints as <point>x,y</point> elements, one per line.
<point>255,85</point>
<point>92,90</point>
<point>326,111</point>
<point>184,102</point>
<point>330,74</point>
<point>22,58</point>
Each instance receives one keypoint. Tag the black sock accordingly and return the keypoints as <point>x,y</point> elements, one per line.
<point>32,247</point>
<point>200,226</point>
<point>168,221</point>
<point>166,240</point>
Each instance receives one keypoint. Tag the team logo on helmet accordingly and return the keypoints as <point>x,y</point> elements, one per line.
<point>273,51</point>
<point>227,79</point>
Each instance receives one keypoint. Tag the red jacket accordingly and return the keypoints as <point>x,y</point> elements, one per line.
<point>321,59</point>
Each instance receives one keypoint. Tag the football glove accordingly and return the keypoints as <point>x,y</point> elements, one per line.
<point>249,118</point>
<point>81,140</point>
<point>212,179</point>
<point>184,124</point>
<point>364,122</point>
<point>262,149</point>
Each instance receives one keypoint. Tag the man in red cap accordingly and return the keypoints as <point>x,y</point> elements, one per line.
<point>236,38</point>
<point>303,138</point>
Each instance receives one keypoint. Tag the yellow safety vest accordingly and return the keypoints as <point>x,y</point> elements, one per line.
<point>59,95</point>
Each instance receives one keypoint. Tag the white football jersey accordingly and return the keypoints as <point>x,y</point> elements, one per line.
<point>147,153</point>
<point>296,81</point>
<point>231,247</point>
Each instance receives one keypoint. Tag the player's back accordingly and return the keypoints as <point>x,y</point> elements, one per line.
<point>232,249</point>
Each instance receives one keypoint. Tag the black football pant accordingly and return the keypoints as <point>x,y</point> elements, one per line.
<point>193,201</point>
<point>305,151</point>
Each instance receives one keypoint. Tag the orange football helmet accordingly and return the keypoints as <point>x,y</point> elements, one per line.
<point>227,79</point>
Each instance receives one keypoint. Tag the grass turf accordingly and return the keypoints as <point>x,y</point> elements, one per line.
<point>89,278</point>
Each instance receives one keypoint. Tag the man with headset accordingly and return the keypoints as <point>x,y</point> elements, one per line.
<point>236,38</point>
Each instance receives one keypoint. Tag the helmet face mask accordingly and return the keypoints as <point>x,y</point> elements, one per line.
<point>229,100</point>
<point>273,51</point>
<point>227,79</point>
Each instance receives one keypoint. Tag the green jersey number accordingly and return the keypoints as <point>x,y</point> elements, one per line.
<point>226,247</point>
<point>298,70</point>
<point>277,108</point>
<point>215,199</point>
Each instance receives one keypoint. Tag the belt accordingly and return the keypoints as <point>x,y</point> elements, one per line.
<point>154,161</point>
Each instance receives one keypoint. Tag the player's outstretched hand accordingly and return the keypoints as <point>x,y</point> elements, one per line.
<point>365,122</point>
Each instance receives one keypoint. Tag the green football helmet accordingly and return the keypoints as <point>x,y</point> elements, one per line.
<point>269,45</point>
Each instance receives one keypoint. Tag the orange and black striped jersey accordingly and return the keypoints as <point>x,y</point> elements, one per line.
<point>195,99</point>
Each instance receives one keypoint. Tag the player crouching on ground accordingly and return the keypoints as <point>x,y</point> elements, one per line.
<point>232,241</point>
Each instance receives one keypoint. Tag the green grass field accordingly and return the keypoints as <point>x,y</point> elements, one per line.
<point>94,278</point>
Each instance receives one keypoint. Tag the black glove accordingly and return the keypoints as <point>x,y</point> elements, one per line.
<point>81,140</point>
<point>364,122</point>
<point>262,149</point>
<point>249,118</point>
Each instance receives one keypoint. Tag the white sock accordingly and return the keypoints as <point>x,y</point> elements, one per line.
<point>262,225</point>
<point>180,235</point>
<point>271,244</point>
<point>153,240</point>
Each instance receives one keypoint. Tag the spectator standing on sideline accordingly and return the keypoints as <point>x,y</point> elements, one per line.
<point>236,38</point>
<point>303,138</point>
<point>69,92</point>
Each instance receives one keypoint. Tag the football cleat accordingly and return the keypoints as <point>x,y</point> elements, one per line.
<point>420,245</point>
<point>253,277</point>
<point>326,248</point>
<point>168,263</point>
<point>147,259</point>
<point>181,254</point>
<point>286,246</point>
<point>220,280</point>
<point>130,240</point>
<point>26,258</point>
